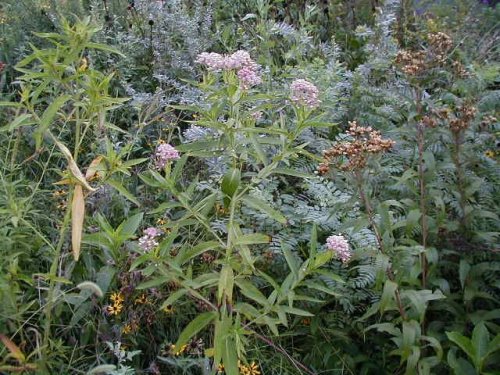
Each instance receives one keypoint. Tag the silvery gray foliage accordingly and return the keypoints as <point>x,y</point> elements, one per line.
<point>381,44</point>
<point>378,101</point>
<point>160,41</point>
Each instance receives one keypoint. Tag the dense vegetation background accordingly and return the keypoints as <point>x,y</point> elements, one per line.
<point>249,187</point>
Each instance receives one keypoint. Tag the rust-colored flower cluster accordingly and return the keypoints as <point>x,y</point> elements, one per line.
<point>429,121</point>
<point>440,43</point>
<point>465,114</point>
<point>414,63</point>
<point>459,69</point>
<point>366,141</point>
<point>487,121</point>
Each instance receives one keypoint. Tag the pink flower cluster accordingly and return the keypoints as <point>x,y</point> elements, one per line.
<point>248,78</point>
<point>340,246</point>
<point>247,69</point>
<point>304,93</point>
<point>165,152</point>
<point>148,241</point>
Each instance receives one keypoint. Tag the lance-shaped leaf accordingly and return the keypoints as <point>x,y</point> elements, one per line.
<point>14,350</point>
<point>48,117</point>
<point>264,207</point>
<point>73,167</point>
<point>226,284</point>
<point>77,217</point>
<point>195,326</point>
<point>93,167</point>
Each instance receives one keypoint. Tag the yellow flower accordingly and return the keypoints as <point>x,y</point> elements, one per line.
<point>127,328</point>
<point>62,205</point>
<point>141,300</point>
<point>220,368</point>
<point>117,297</point>
<point>490,154</point>
<point>251,369</point>
<point>177,352</point>
<point>84,64</point>
<point>168,309</point>
<point>114,309</point>
<point>220,209</point>
<point>59,193</point>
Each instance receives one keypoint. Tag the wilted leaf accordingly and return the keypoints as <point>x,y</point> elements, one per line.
<point>77,217</point>
<point>14,350</point>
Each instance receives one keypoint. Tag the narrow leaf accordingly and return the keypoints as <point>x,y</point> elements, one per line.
<point>121,189</point>
<point>13,348</point>
<point>264,207</point>
<point>77,217</point>
<point>195,326</point>
<point>252,239</point>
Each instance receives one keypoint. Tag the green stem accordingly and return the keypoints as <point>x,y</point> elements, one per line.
<point>420,128</point>
<point>373,224</point>
<point>52,282</point>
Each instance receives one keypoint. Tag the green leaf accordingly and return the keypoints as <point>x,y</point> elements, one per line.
<point>251,291</point>
<point>128,228</point>
<point>195,326</point>
<point>48,116</point>
<point>123,191</point>
<point>388,295</point>
<point>199,249</point>
<point>104,47</point>
<point>10,104</point>
<point>292,172</point>
<point>226,284</point>
<point>313,244</point>
<point>463,342</point>
<point>493,346</point>
<point>130,163</point>
<point>389,328</point>
<point>230,357</point>
<point>174,297</point>
<point>264,207</point>
<point>258,149</point>
<point>295,311</point>
<point>206,204</point>
<point>231,182</point>
<point>480,341</point>
<point>459,365</point>
<point>252,239</point>
<point>179,166</point>
<point>321,288</point>
<point>154,282</point>
<point>463,271</point>
<point>21,120</point>
<point>290,260</point>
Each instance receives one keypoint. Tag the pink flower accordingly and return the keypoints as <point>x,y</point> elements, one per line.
<point>247,69</point>
<point>164,153</point>
<point>304,93</point>
<point>257,115</point>
<point>213,61</point>
<point>148,241</point>
<point>340,246</point>
<point>248,78</point>
<point>238,60</point>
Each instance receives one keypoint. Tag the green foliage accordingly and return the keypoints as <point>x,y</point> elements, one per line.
<point>220,253</point>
